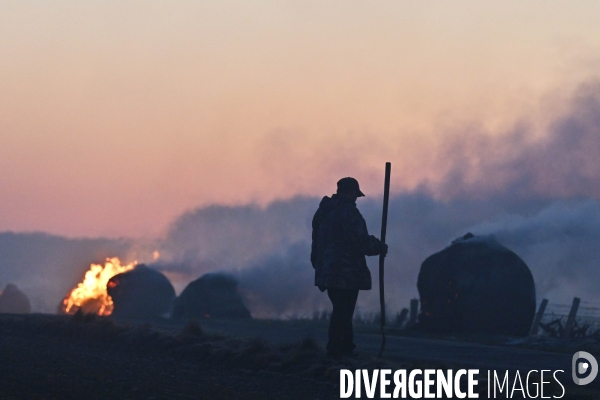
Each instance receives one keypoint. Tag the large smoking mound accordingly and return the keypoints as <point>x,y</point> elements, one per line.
<point>538,195</point>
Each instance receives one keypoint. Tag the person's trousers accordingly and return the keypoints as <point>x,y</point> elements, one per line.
<point>341,335</point>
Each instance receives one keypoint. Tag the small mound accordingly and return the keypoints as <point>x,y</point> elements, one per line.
<point>13,301</point>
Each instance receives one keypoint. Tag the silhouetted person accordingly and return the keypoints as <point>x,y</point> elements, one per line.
<point>340,242</point>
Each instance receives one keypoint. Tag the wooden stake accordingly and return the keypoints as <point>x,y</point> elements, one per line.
<point>414,312</point>
<point>571,318</point>
<point>401,317</point>
<point>538,317</point>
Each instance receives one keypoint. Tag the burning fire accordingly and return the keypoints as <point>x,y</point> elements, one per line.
<point>90,296</point>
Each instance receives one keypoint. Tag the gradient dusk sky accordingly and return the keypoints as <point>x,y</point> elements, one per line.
<point>116,117</point>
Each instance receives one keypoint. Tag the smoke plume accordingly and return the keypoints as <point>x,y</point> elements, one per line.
<point>536,192</point>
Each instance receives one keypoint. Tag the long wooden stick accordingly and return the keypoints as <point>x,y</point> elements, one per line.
<point>386,197</point>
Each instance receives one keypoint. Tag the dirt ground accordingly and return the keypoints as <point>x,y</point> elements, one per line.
<point>64,357</point>
<point>42,362</point>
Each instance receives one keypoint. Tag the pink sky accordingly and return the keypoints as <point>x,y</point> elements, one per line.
<point>117,117</point>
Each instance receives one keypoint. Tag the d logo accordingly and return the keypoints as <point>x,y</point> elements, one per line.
<point>590,364</point>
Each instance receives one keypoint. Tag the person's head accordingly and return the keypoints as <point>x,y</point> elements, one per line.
<point>348,187</point>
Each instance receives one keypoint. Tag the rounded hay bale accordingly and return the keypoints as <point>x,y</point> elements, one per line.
<point>13,301</point>
<point>140,293</point>
<point>213,295</point>
<point>476,285</point>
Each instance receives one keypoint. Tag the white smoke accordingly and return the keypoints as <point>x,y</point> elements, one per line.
<point>537,194</point>
<point>556,238</point>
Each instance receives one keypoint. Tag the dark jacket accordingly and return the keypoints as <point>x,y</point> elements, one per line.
<point>340,242</point>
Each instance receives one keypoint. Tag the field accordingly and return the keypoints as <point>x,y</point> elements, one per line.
<point>64,357</point>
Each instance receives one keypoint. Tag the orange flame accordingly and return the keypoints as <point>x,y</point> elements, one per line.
<point>90,296</point>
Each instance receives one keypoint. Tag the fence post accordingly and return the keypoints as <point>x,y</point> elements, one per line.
<point>538,317</point>
<point>414,311</point>
<point>400,318</point>
<point>571,318</point>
